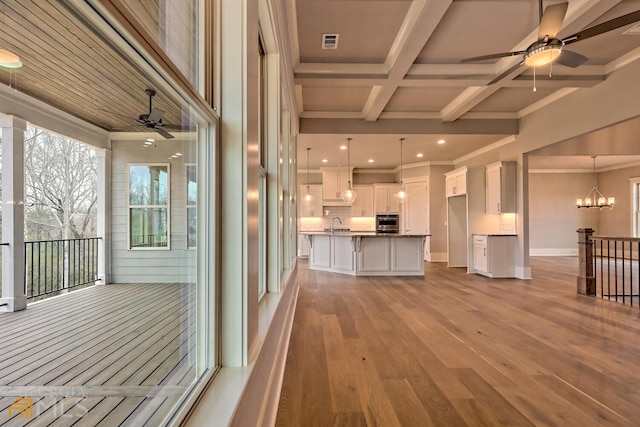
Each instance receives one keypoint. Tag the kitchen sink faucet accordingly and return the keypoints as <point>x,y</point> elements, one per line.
<point>339,220</point>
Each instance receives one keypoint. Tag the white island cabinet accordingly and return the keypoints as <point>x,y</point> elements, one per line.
<point>367,253</point>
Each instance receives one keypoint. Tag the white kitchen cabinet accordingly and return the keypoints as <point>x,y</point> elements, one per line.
<point>494,255</point>
<point>363,205</point>
<point>334,182</point>
<point>456,182</point>
<point>303,246</point>
<point>391,256</point>
<point>384,200</point>
<point>315,210</point>
<point>501,188</point>
<point>342,255</point>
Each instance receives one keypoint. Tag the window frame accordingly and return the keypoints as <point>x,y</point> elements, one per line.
<point>130,207</point>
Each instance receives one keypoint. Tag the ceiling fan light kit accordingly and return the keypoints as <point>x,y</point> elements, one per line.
<point>543,53</point>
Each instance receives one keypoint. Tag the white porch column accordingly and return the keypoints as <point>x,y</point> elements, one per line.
<point>13,130</point>
<point>103,158</point>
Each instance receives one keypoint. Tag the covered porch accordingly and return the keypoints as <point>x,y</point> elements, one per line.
<point>104,355</point>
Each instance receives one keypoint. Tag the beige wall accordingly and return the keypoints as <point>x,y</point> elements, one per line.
<point>553,215</point>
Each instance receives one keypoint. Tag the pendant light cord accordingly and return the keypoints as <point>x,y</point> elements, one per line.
<point>401,141</point>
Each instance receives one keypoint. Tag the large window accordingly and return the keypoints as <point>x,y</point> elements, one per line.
<point>149,206</point>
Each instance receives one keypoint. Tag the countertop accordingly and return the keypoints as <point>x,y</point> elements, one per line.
<point>360,233</point>
<point>494,235</point>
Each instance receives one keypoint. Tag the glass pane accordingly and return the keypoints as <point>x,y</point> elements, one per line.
<point>149,228</point>
<point>174,26</point>
<point>148,185</point>
<point>192,223</point>
<point>192,188</point>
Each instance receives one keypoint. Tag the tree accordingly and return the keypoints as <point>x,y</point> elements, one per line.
<point>60,187</point>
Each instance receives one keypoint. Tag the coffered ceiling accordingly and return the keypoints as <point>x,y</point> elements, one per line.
<point>397,72</point>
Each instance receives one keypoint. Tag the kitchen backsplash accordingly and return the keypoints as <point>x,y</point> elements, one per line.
<point>342,212</point>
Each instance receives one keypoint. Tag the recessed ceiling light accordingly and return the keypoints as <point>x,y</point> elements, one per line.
<point>441,141</point>
<point>147,142</point>
<point>343,147</point>
<point>419,155</point>
<point>178,154</point>
<point>370,160</point>
<point>325,161</point>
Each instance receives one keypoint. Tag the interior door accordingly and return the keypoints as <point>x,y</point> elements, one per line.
<point>417,211</point>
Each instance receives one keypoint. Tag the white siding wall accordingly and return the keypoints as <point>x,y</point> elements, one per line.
<point>150,265</point>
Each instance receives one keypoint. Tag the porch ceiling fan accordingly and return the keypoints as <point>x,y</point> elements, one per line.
<point>151,120</point>
<point>548,48</point>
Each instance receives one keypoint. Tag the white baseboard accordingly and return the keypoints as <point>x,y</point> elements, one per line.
<point>553,252</point>
<point>523,273</point>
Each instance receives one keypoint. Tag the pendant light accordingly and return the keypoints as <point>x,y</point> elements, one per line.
<point>594,198</point>
<point>307,199</point>
<point>401,195</point>
<point>349,195</point>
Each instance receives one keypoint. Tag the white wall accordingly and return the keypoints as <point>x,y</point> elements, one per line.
<point>148,266</point>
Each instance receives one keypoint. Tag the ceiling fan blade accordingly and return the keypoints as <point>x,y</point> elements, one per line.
<point>163,132</point>
<point>492,56</point>
<point>571,59</point>
<point>119,115</point>
<point>505,73</point>
<point>551,20</point>
<point>155,115</point>
<point>610,25</point>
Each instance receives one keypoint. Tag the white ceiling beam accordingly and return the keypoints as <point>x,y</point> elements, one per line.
<point>409,126</point>
<point>420,21</point>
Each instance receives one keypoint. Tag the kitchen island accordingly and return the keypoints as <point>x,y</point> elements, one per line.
<point>366,253</point>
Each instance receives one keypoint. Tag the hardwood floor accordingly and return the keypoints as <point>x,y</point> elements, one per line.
<point>104,356</point>
<point>454,349</point>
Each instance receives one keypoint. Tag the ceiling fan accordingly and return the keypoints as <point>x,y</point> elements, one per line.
<point>548,48</point>
<point>150,120</point>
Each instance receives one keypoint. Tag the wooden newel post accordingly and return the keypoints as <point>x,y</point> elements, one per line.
<point>585,280</point>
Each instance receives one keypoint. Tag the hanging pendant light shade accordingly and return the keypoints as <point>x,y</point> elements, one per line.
<point>307,198</point>
<point>401,195</point>
<point>349,195</point>
<point>594,198</point>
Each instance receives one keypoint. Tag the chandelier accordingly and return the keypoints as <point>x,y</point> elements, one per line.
<point>594,198</point>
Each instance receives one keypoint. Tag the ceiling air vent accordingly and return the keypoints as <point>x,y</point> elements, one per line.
<point>330,41</point>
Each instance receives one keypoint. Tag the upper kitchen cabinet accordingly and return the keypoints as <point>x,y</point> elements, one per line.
<point>501,188</point>
<point>334,182</point>
<point>456,182</point>
<point>363,205</point>
<point>315,209</point>
<point>384,200</point>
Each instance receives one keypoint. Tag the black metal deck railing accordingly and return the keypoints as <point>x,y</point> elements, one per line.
<point>616,268</point>
<point>53,266</point>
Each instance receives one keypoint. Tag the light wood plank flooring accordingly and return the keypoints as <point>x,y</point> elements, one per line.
<point>102,356</point>
<point>454,349</point>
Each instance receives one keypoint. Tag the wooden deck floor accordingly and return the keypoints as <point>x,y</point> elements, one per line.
<point>453,349</point>
<point>102,356</point>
